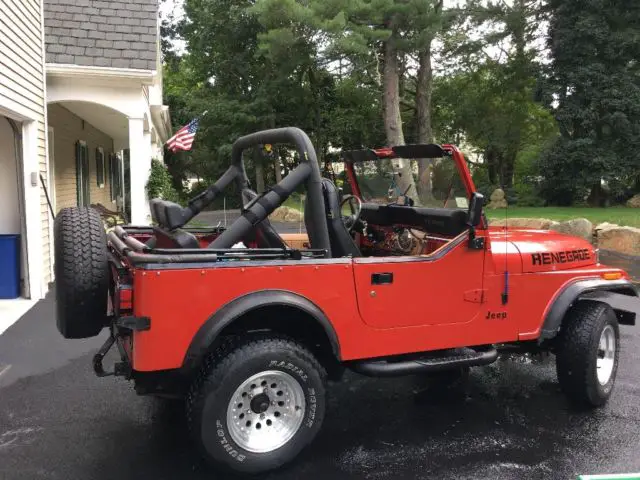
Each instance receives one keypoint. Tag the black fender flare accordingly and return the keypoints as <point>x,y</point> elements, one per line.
<point>228,313</point>
<point>621,295</point>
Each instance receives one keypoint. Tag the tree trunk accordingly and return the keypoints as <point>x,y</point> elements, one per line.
<point>257,161</point>
<point>391,95</point>
<point>392,118</point>
<point>277,167</point>
<point>597,197</point>
<point>507,170</point>
<point>424,88</point>
<point>491,159</point>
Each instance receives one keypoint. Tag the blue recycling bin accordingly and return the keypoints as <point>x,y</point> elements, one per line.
<point>9,266</point>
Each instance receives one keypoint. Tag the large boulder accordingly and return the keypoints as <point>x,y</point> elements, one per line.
<point>634,202</point>
<point>620,239</point>
<point>498,199</point>
<point>578,227</point>
<point>535,223</point>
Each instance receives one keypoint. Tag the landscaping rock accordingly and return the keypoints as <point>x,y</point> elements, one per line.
<point>605,226</point>
<point>578,227</point>
<point>498,199</point>
<point>293,215</point>
<point>620,239</point>
<point>286,214</point>
<point>634,202</point>
<point>535,223</point>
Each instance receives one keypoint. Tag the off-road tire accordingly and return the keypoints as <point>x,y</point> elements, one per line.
<point>577,354</point>
<point>82,274</point>
<point>224,371</point>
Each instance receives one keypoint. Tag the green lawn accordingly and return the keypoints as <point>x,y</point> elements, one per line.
<point>619,215</point>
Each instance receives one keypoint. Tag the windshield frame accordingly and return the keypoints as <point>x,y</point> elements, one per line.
<point>408,152</point>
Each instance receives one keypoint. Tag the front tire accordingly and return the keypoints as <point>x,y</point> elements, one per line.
<point>257,404</point>
<point>587,358</point>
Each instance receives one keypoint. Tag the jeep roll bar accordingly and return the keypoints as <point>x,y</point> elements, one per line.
<point>172,216</point>
<point>307,172</point>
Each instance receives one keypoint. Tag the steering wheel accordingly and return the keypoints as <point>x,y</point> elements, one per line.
<point>355,205</point>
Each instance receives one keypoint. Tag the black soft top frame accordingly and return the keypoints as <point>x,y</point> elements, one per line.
<point>418,150</point>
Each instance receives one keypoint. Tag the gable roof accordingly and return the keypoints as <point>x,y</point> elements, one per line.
<point>102,33</point>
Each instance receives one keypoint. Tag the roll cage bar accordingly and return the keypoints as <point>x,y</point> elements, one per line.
<point>172,216</point>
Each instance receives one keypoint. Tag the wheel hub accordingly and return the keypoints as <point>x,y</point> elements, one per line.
<point>266,411</point>
<point>260,403</point>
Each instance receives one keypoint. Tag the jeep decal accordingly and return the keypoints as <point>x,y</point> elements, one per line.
<point>548,258</point>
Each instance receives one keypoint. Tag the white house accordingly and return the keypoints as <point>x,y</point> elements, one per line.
<point>81,107</point>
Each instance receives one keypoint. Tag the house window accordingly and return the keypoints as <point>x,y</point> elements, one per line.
<point>100,167</point>
<point>82,174</point>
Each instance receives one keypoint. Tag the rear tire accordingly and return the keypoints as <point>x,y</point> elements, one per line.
<point>82,274</point>
<point>587,358</point>
<point>256,405</point>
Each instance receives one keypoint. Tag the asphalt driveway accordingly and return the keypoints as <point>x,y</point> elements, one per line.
<point>58,421</point>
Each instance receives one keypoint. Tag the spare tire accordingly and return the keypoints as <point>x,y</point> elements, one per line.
<point>82,272</point>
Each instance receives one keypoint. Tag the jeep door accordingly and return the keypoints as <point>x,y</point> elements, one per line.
<point>444,287</point>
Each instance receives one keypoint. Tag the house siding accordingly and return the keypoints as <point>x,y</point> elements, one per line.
<point>68,129</point>
<point>22,83</point>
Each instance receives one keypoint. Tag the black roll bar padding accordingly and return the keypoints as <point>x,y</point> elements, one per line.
<point>363,155</point>
<point>307,172</point>
<point>419,150</point>
<point>130,242</point>
<point>262,208</point>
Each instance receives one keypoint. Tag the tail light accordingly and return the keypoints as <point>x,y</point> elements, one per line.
<point>124,298</point>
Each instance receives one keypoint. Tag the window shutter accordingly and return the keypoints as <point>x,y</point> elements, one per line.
<point>78,173</point>
<point>100,168</point>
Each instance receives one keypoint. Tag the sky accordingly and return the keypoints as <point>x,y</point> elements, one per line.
<point>170,5</point>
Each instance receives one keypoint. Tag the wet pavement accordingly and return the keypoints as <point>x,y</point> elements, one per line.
<point>508,421</point>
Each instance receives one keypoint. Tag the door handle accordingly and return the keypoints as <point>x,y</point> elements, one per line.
<point>381,278</point>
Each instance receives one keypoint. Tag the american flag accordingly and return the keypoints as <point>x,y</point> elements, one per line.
<point>183,140</point>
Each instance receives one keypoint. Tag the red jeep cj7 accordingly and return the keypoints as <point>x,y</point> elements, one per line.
<point>401,277</point>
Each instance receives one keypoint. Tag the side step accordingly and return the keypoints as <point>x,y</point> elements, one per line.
<point>432,362</point>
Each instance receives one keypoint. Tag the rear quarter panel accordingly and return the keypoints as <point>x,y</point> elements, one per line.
<point>179,301</point>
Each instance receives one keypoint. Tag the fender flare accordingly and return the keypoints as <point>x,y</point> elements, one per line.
<point>231,311</point>
<point>621,295</point>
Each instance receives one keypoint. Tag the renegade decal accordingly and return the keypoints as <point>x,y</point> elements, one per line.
<point>548,258</point>
<point>495,315</point>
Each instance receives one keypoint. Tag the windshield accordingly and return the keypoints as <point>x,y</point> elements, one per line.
<point>430,182</point>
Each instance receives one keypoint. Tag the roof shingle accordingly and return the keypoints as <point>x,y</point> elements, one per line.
<point>122,34</point>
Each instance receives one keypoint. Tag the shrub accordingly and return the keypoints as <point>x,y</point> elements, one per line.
<point>159,184</point>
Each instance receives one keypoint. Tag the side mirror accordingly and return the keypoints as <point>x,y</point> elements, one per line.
<point>475,209</point>
<point>475,217</point>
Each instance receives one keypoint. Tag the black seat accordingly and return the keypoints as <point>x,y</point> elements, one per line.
<point>265,235</point>
<point>168,234</point>
<point>342,244</point>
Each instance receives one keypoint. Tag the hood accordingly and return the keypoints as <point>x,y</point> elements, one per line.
<point>545,250</point>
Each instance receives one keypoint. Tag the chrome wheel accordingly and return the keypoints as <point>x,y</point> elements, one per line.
<point>606,355</point>
<point>266,411</point>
